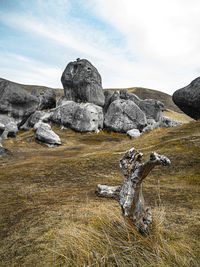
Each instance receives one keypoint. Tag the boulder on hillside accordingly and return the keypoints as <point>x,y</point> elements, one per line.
<point>134,133</point>
<point>164,122</point>
<point>83,117</point>
<point>82,83</point>
<point>45,135</point>
<point>47,98</point>
<point>124,115</point>
<point>188,99</point>
<point>10,126</point>
<point>15,101</point>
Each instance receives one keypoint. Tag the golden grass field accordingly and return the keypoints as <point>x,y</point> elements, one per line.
<point>50,215</point>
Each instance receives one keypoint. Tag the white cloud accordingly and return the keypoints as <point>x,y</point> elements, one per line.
<point>160,42</point>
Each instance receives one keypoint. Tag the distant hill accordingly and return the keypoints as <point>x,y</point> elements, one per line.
<point>142,93</point>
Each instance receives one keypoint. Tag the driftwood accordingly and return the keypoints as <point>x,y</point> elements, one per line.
<point>130,195</point>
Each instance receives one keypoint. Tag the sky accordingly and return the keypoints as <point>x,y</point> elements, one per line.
<point>133,43</point>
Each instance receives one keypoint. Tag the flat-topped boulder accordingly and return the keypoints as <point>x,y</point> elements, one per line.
<point>124,115</point>
<point>15,101</point>
<point>82,83</point>
<point>188,99</point>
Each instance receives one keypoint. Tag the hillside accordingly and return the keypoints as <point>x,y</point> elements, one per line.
<point>142,93</point>
<point>50,215</point>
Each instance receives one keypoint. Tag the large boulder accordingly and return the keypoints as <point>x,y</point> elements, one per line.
<point>152,108</point>
<point>83,117</point>
<point>46,98</point>
<point>10,126</point>
<point>15,101</point>
<point>124,115</point>
<point>188,99</point>
<point>82,83</point>
<point>45,135</point>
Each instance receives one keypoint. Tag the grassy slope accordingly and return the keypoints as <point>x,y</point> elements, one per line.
<point>50,215</point>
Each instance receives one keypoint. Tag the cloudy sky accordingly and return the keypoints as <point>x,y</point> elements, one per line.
<point>147,43</point>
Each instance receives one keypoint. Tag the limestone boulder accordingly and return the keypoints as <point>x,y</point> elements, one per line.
<point>83,117</point>
<point>15,101</point>
<point>134,133</point>
<point>45,135</point>
<point>46,98</point>
<point>82,83</point>
<point>10,126</point>
<point>124,115</point>
<point>188,99</point>
<point>2,128</point>
<point>35,118</point>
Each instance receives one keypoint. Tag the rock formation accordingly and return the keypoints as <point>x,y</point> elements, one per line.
<point>46,98</point>
<point>15,101</point>
<point>35,118</point>
<point>82,83</point>
<point>124,115</point>
<point>188,99</point>
<point>130,195</point>
<point>10,126</point>
<point>83,117</point>
<point>45,135</point>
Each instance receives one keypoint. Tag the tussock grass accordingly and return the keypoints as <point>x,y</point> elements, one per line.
<point>99,236</point>
<point>50,215</point>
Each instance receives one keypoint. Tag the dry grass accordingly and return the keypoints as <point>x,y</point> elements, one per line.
<point>50,216</point>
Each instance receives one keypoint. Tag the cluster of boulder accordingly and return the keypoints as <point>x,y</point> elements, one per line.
<point>85,107</point>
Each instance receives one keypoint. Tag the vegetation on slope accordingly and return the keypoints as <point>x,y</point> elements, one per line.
<point>50,215</point>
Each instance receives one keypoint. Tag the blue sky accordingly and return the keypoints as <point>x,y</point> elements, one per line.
<point>153,44</point>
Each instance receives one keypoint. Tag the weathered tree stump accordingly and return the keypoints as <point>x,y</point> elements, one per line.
<point>130,195</point>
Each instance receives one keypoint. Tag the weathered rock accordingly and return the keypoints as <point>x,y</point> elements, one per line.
<point>84,117</point>
<point>188,99</point>
<point>34,118</point>
<point>45,135</point>
<point>15,101</point>
<point>2,128</point>
<point>82,83</point>
<point>11,129</point>
<point>166,122</point>
<point>108,95</point>
<point>124,115</point>
<point>134,133</point>
<point>47,98</point>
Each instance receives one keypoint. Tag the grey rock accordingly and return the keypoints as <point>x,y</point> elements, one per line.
<point>188,99</point>
<point>45,135</point>
<point>15,101</point>
<point>134,133</point>
<point>34,118</point>
<point>83,117</point>
<point>108,96</point>
<point>11,129</point>
<point>124,115</point>
<point>2,128</point>
<point>62,101</point>
<point>152,108</point>
<point>82,83</point>
<point>47,98</point>
<point>166,122</point>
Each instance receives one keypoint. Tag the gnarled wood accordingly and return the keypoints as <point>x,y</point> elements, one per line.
<point>130,193</point>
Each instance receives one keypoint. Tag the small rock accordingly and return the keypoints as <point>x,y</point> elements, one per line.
<point>134,133</point>
<point>45,135</point>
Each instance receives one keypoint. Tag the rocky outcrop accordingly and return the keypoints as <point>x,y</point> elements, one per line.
<point>15,101</point>
<point>82,83</point>
<point>84,117</point>
<point>34,118</point>
<point>188,99</point>
<point>124,115</point>
<point>45,135</point>
<point>46,98</point>
<point>10,126</point>
<point>164,122</point>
